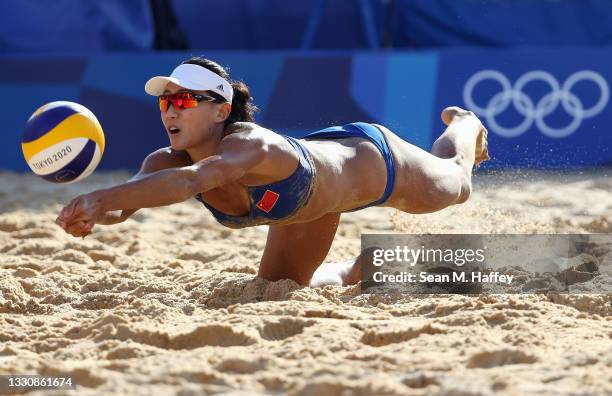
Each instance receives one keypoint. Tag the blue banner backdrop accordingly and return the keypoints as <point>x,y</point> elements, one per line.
<point>544,108</point>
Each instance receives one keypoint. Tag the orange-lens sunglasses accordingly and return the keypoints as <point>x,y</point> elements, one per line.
<point>182,100</point>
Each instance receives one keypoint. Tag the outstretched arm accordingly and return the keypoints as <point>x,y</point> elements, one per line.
<point>160,159</point>
<point>180,178</point>
<point>237,156</point>
<point>163,158</point>
<point>175,185</point>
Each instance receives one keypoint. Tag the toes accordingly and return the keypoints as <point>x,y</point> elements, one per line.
<point>447,115</point>
<point>451,112</point>
<point>482,147</point>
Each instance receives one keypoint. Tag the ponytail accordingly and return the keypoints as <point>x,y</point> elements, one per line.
<point>243,108</point>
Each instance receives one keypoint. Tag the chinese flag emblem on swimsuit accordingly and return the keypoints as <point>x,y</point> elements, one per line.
<point>267,202</point>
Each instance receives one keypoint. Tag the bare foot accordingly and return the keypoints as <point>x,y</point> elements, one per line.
<point>482,151</point>
<point>451,112</point>
<point>353,276</point>
<point>362,269</point>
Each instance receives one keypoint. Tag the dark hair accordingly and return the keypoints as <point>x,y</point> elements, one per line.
<point>243,107</point>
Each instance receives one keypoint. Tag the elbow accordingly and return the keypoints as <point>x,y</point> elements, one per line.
<point>192,183</point>
<point>200,179</point>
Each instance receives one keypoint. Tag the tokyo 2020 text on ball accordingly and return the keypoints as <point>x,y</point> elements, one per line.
<point>63,142</point>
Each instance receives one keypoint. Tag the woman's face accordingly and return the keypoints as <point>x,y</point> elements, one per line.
<point>188,128</point>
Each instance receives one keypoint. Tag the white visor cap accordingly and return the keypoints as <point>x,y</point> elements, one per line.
<point>192,77</point>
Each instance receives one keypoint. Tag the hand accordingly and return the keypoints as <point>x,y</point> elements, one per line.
<point>115,217</point>
<point>79,216</point>
<point>78,229</point>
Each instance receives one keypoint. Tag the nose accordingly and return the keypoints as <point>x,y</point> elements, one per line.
<point>171,112</point>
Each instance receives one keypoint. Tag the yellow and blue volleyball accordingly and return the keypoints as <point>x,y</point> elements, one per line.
<point>63,142</point>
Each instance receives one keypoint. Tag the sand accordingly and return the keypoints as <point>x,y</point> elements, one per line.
<point>168,303</point>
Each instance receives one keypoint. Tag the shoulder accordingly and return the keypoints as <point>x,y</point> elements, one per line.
<point>166,157</point>
<point>256,145</point>
<point>247,136</point>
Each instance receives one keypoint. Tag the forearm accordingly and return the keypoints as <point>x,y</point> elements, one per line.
<point>161,188</point>
<point>169,186</point>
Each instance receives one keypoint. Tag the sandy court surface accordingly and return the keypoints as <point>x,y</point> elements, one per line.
<point>168,303</point>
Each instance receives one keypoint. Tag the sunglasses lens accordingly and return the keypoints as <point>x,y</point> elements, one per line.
<point>189,103</point>
<point>183,100</point>
<point>163,103</point>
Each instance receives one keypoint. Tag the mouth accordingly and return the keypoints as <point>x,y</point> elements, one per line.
<point>173,130</point>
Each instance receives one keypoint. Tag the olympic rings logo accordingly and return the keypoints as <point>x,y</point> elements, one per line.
<point>536,112</point>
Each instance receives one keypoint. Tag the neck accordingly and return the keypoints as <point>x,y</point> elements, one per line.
<point>208,147</point>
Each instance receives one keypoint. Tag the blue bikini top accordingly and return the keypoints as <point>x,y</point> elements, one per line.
<point>275,201</point>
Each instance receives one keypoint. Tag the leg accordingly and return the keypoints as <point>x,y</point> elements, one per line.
<point>294,251</point>
<point>428,182</point>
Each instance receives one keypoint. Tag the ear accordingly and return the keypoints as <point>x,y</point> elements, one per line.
<point>223,112</point>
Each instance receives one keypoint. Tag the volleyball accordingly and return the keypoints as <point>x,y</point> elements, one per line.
<point>63,142</point>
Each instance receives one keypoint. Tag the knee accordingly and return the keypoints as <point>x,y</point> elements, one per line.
<point>443,194</point>
<point>466,189</point>
<point>445,190</point>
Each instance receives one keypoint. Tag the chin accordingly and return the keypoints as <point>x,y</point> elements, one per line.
<point>177,144</point>
<point>178,147</point>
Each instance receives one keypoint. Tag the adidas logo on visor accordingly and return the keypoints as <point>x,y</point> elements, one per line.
<point>220,88</point>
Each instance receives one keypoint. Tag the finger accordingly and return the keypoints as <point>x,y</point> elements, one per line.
<point>86,232</point>
<point>72,208</point>
<point>78,214</point>
<point>78,219</point>
<point>65,216</point>
<point>74,231</point>
<point>79,233</point>
<point>78,229</point>
<point>62,222</point>
<point>71,222</point>
<point>87,227</point>
<point>77,224</point>
<point>68,209</point>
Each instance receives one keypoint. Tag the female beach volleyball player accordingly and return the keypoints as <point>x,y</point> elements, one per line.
<point>247,175</point>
